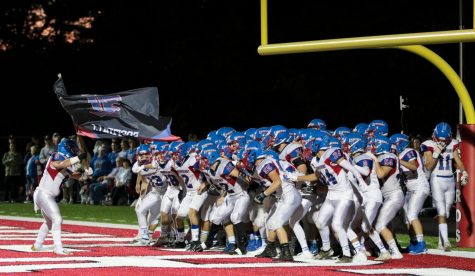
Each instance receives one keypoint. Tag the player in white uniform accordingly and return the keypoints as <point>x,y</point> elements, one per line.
<point>148,210</point>
<point>289,198</point>
<point>234,211</point>
<point>187,168</point>
<point>291,151</point>
<point>331,165</point>
<point>417,190</point>
<point>170,201</point>
<point>60,166</point>
<point>439,154</point>
<point>387,169</point>
<point>356,144</point>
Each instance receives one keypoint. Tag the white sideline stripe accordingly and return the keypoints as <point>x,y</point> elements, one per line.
<point>70,239</point>
<point>69,247</point>
<point>460,254</point>
<point>8,227</point>
<point>74,222</point>
<point>153,262</point>
<point>26,233</point>
<point>413,271</point>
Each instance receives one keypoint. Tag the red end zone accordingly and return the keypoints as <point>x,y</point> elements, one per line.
<point>105,251</point>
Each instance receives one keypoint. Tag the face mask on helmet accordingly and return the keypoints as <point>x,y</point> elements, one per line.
<point>208,158</point>
<point>399,141</point>
<point>68,148</point>
<point>356,143</point>
<point>442,134</point>
<point>144,155</point>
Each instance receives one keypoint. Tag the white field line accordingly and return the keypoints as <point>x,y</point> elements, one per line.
<point>73,222</point>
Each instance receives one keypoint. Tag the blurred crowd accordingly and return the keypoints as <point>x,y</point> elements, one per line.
<point>110,159</point>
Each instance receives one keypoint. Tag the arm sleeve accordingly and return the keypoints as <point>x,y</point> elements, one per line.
<point>347,166</point>
<point>362,170</point>
<point>136,167</point>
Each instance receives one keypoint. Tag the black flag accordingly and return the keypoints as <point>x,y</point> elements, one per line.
<point>132,113</point>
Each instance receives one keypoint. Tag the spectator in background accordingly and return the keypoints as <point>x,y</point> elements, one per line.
<point>114,153</point>
<point>33,171</point>
<point>124,147</point>
<point>13,182</point>
<point>133,144</point>
<point>100,164</point>
<point>131,153</point>
<point>56,139</point>
<point>121,183</point>
<point>46,150</point>
<point>416,142</point>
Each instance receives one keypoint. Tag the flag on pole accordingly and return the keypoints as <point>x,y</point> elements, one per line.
<point>131,113</point>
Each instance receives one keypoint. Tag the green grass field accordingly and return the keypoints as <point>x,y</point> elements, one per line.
<point>126,215</point>
<point>109,214</point>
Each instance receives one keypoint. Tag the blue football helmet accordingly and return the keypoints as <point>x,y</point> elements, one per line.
<point>68,148</point>
<point>321,135</point>
<point>253,151</point>
<point>293,133</point>
<point>175,150</point>
<point>237,140</point>
<point>208,157</point>
<point>317,124</point>
<point>442,133</point>
<point>400,141</point>
<point>203,144</point>
<point>361,128</point>
<point>158,146</point>
<point>261,133</point>
<point>225,149</point>
<point>225,131</point>
<point>355,142</point>
<point>277,135</point>
<point>341,131</point>
<point>330,142</point>
<point>144,154</point>
<point>378,127</point>
<point>250,132</point>
<point>381,144</point>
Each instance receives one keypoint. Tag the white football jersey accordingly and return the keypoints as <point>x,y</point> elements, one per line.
<point>391,181</point>
<point>189,173</point>
<point>334,176</point>
<point>444,163</point>
<point>53,178</point>
<point>267,166</point>
<point>413,179</point>
<point>291,151</point>
<point>221,177</point>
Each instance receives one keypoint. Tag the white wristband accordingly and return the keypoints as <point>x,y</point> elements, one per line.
<point>435,155</point>
<point>74,160</point>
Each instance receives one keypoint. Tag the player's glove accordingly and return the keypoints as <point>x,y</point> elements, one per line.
<point>259,198</point>
<point>88,171</point>
<point>464,178</point>
<point>440,147</point>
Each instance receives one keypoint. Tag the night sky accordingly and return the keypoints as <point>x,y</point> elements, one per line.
<point>202,56</point>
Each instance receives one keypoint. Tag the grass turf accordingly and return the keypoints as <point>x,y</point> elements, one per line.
<point>95,213</point>
<point>126,215</point>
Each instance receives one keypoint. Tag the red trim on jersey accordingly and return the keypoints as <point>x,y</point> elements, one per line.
<point>230,179</point>
<point>195,172</point>
<point>335,167</point>
<point>52,171</point>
